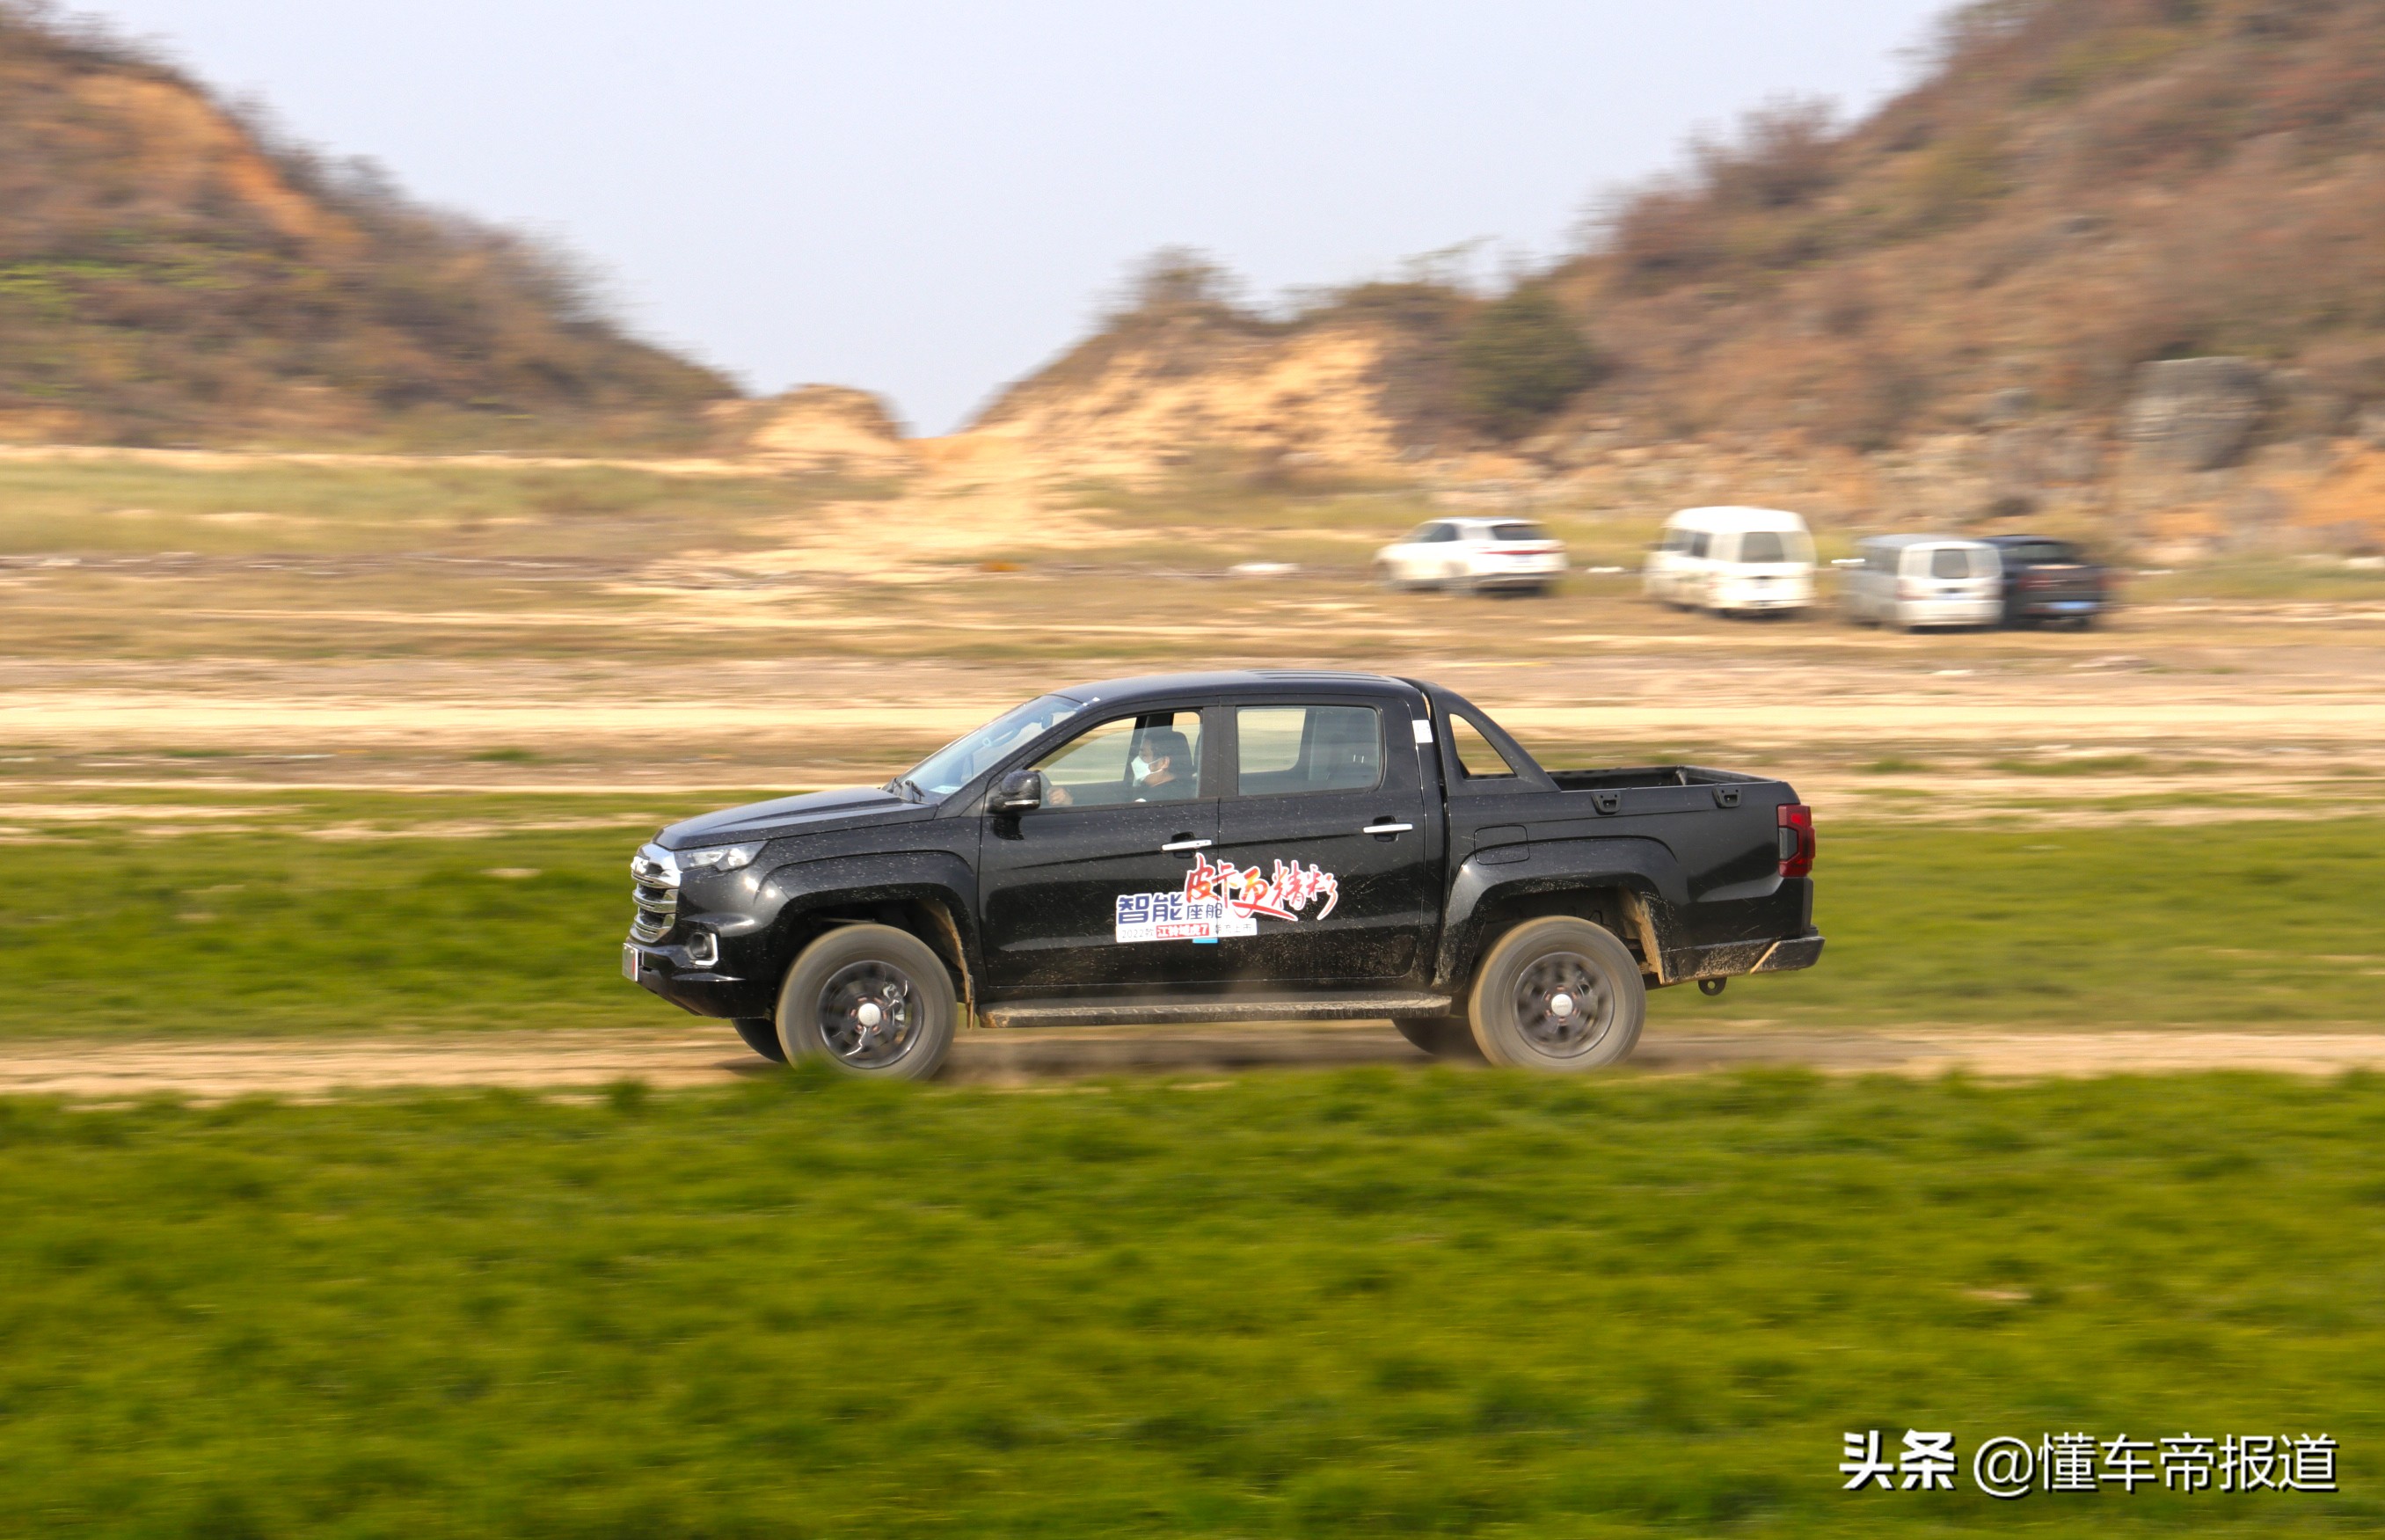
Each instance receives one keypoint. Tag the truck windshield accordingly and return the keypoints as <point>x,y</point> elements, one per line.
<point>954,765</point>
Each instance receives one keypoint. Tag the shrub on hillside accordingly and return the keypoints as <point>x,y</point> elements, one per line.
<point>1738,205</point>
<point>1519,359</point>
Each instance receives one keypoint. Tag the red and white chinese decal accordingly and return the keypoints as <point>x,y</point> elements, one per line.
<point>1221,899</point>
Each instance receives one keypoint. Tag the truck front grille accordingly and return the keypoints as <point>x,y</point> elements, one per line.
<point>656,891</point>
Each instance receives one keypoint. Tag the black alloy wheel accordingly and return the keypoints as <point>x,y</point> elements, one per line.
<point>872,1001</point>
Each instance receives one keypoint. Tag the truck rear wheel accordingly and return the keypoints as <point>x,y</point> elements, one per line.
<point>1441,1036</point>
<point>1560,995</point>
<point>870,1000</point>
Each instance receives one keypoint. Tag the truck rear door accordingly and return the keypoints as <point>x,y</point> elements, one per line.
<point>1325,854</point>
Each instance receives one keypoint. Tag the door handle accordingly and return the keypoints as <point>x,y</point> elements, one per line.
<point>1387,829</point>
<point>1172,846</point>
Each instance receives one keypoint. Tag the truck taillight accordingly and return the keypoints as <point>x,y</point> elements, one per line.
<point>1796,839</point>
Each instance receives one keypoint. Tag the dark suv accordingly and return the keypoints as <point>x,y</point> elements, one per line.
<point>2050,579</point>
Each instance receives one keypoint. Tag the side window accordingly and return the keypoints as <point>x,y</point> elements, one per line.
<point>1698,544</point>
<point>1153,758</point>
<point>1284,749</point>
<point>1476,758</point>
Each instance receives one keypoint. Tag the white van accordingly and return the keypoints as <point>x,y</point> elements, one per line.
<point>1912,581</point>
<point>1746,561</point>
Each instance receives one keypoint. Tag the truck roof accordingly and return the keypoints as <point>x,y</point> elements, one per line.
<point>1288,682</point>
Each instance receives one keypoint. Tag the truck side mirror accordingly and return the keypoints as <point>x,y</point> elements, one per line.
<point>1020,792</point>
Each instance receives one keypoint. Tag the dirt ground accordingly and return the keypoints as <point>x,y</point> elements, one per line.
<point>422,624</point>
<point>166,628</point>
<point>217,1069</point>
<point>2057,730</point>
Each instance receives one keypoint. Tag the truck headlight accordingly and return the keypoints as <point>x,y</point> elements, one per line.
<point>719,858</point>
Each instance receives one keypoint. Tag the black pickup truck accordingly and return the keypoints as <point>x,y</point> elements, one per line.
<point>1256,845</point>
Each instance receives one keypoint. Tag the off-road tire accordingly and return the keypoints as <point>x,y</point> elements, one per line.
<point>1450,1037</point>
<point>1530,968</point>
<point>908,1027</point>
<point>761,1035</point>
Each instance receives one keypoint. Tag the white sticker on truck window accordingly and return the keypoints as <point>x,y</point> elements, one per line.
<point>1221,899</point>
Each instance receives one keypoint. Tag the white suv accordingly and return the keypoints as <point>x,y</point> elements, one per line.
<point>1473,556</point>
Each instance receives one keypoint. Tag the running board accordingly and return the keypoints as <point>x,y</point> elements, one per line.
<point>1239,1007</point>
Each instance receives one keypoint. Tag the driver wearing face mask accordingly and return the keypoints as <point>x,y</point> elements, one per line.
<point>1162,770</point>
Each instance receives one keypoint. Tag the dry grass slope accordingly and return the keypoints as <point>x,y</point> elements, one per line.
<point>2073,190</point>
<point>171,273</point>
<point>2077,187</point>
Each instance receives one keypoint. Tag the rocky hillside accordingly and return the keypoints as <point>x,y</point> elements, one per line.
<point>2080,187</point>
<point>1179,373</point>
<point>2101,249</point>
<point>167,272</point>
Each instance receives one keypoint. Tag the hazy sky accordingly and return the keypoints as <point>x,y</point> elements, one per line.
<point>928,198</point>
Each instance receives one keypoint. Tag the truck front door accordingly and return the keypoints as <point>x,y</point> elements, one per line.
<point>1325,856</point>
<point>1088,891</point>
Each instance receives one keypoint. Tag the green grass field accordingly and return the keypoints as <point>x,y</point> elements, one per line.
<point>313,912</point>
<point>1359,1304</point>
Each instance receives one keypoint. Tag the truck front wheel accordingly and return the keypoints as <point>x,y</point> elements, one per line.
<point>761,1035</point>
<point>1560,995</point>
<point>870,1000</point>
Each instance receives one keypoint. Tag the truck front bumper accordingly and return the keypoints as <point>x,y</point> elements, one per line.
<point>666,971</point>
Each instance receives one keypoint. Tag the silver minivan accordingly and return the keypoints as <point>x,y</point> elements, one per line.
<point>1913,581</point>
